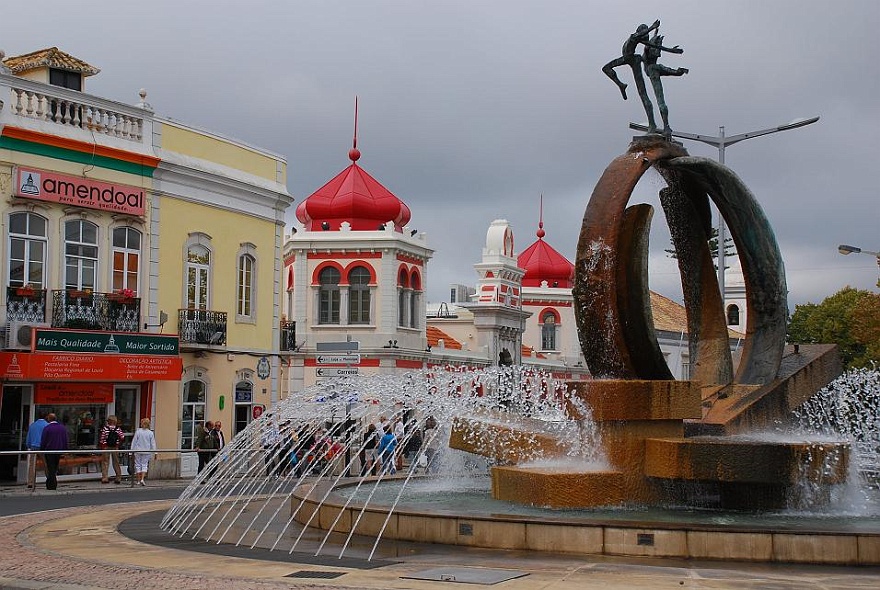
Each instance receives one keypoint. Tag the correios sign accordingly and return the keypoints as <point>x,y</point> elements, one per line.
<point>106,342</point>
<point>32,183</point>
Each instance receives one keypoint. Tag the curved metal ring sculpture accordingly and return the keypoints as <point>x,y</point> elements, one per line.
<point>612,300</point>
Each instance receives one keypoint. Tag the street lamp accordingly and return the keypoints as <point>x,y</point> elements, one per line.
<point>846,249</point>
<point>721,141</point>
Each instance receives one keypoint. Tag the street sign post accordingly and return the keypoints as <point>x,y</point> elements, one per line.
<point>338,359</point>
<point>336,371</point>
<point>343,346</point>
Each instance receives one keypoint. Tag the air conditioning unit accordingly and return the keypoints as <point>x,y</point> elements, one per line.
<point>19,335</point>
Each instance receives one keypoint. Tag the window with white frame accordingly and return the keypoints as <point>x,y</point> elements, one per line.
<point>198,272</point>
<point>359,296</point>
<point>548,331</point>
<point>414,301</point>
<point>328,296</point>
<point>27,250</point>
<point>80,254</point>
<point>126,258</point>
<point>402,297</point>
<point>245,295</point>
<point>192,412</point>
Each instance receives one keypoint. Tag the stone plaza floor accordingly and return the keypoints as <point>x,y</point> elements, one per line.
<point>83,547</point>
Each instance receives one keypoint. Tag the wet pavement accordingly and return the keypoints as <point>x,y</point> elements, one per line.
<point>89,535</point>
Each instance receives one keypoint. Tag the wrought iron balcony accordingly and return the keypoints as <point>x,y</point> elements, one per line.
<point>201,326</point>
<point>88,310</point>
<point>24,304</point>
<point>288,336</point>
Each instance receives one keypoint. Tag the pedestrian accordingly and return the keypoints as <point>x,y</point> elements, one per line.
<point>206,444</point>
<point>399,432</point>
<point>53,438</point>
<point>143,440</point>
<point>218,432</point>
<point>111,439</point>
<point>270,440</point>
<point>369,451</point>
<point>34,436</point>
<point>387,444</point>
<point>432,444</point>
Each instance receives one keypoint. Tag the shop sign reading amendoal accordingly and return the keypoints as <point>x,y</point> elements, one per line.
<point>31,183</point>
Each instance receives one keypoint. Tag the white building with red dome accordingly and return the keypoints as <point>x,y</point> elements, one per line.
<point>354,271</point>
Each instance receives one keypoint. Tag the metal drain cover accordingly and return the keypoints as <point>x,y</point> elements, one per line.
<point>464,575</point>
<point>315,574</point>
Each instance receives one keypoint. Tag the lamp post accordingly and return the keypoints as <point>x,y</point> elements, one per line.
<point>721,141</point>
<point>846,250</point>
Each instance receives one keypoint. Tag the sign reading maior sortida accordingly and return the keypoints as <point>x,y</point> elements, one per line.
<point>31,183</point>
<point>106,342</point>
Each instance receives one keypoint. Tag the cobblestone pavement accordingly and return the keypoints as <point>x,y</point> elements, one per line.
<point>80,547</point>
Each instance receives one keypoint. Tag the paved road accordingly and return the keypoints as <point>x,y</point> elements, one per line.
<point>27,504</point>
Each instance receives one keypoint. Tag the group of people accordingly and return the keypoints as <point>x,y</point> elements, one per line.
<point>209,440</point>
<point>47,434</point>
<point>386,446</point>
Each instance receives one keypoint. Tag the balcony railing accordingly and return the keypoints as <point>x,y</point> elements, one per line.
<point>72,109</point>
<point>24,304</point>
<point>201,326</point>
<point>87,310</point>
<point>288,336</point>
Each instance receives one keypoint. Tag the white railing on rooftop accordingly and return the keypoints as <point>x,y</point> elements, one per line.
<point>72,109</point>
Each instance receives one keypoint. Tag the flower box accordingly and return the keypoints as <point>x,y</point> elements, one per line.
<point>76,294</point>
<point>25,292</point>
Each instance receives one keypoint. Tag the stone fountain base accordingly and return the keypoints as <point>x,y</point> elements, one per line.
<point>642,429</point>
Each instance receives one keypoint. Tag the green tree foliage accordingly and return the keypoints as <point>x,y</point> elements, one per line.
<point>850,318</point>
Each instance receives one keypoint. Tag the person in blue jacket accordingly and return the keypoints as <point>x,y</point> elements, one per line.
<point>387,444</point>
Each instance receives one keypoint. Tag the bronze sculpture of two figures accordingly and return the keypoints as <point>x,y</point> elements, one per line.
<point>653,46</point>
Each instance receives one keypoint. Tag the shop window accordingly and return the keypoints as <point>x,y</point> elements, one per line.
<point>80,254</point>
<point>198,270</point>
<point>246,264</point>
<point>126,258</point>
<point>27,250</point>
<point>328,296</point>
<point>359,296</point>
<point>192,414</point>
<point>548,331</point>
<point>126,409</point>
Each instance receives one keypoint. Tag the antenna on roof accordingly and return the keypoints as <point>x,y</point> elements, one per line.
<point>354,153</point>
<point>540,231</point>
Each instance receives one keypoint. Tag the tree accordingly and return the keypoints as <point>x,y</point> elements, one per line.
<point>850,318</point>
<point>729,249</point>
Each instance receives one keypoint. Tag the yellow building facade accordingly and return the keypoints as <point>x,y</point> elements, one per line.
<point>147,250</point>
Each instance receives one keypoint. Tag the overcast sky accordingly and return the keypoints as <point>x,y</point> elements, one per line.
<point>470,110</point>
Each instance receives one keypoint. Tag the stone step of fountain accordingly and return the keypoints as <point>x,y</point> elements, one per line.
<point>560,487</point>
<point>747,460</point>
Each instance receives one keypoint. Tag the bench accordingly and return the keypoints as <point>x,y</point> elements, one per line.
<point>75,462</point>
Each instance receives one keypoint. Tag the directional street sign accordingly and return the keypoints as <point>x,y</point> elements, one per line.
<point>336,371</point>
<point>338,359</point>
<point>344,346</point>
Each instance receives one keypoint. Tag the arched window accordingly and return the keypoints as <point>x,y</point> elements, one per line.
<point>246,264</point>
<point>328,299</point>
<point>414,300</point>
<point>733,315</point>
<point>402,297</point>
<point>198,272</point>
<point>548,331</point>
<point>80,254</point>
<point>192,413</point>
<point>126,258</point>
<point>27,250</point>
<point>359,296</point>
